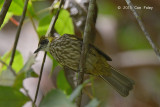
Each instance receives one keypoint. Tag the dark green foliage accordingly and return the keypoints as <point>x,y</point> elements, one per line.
<point>63,84</point>
<point>63,24</point>
<point>11,97</point>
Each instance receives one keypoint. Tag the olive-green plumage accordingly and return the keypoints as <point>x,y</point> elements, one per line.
<point>67,49</point>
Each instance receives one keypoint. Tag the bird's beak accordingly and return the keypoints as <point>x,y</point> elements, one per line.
<point>37,50</point>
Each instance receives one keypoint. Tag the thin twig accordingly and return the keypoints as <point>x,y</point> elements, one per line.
<point>49,33</point>
<point>40,76</point>
<point>89,29</point>
<point>154,46</point>
<point>33,24</point>
<point>18,34</point>
<point>15,22</point>
<point>27,93</point>
<point>53,21</point>
<point>4,10</point>
<point>6,65</point>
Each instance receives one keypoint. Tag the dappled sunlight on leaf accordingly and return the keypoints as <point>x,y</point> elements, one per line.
<point>63,24</point>
<point>18,60</point>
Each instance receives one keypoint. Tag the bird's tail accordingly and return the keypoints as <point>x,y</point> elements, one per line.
<point>121,83</point>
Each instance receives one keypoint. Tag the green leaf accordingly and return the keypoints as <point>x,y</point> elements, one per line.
<point>18,83</point>
<point>7,78</point>
<point>77,91</point>
<point>25,72</point>
<point>18,60</point>
<point>10,97</point>
<point>8,16</point>
<point>1,4</point>
<point>28,64</point>
<point>31,73</point>
<point>56,98</point>
<point>55,63</point>
<point>44,24</point>
<point>16,7</point>
<point>93,103</point>
<point>31,11</point>
<point>64,23</point>
<point>62,83</point>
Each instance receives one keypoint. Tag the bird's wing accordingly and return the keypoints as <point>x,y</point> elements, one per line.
<point>99,51</point>
<point>108,58</point>
<point>73,37</point>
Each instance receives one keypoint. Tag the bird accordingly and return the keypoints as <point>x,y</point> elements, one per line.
<point>66,49</point>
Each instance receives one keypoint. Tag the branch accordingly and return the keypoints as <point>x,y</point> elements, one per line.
<point>6,65</point>
<point>27,93</point>
<point>49,33</point>
<point>15,22</point>
<point>18,33</point>
<point>4,10</point>
<point>88,36</point>
<point>40,77</point>
<point>53,22</point>
<point>154,46</point>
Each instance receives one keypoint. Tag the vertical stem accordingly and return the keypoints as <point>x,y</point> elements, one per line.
<point>40,77</point>
<point>88,38</point>
<point>4,10</point>
<point>18,34</point>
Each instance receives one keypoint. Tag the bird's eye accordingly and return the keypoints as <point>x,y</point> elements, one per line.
<point>45,41</point>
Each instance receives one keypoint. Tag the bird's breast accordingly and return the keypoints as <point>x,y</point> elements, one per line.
<point>67,53</point>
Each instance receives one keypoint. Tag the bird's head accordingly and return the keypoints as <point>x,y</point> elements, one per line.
<point>44,43</point>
